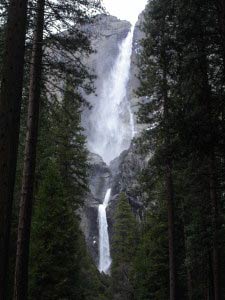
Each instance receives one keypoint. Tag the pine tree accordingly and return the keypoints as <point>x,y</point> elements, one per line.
<point>75,41</point>
<point>221,20</point>
<point>10,105</point>
<point>70,145</point>
<point>55,257</point>
<point>179,46</point>
<point>156,77</point>
<point>26,202</point>
<point>151,261</point>
<point>124,244</point>
<point>202,107</point>
<point>65,157</point>
<point>55,273</point>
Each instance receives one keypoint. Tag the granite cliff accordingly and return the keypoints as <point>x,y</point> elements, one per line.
<point>106,33</point>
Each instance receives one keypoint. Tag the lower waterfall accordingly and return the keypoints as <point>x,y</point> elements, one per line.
<point>104,249</point>
<point>113,130</point>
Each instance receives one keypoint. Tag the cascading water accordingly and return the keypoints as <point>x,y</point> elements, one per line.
<point>104,249</point>
<point>111,118</point>
<point>113,128</point>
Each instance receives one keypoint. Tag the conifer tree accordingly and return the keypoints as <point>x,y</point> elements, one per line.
<point>62,15</point>
<point>60,266</point>
<point>179,37</point>
<point>10,105</point>
<point>124,244</point>
<point>221,20</point>
<point>203,105</point>
<point>55,256</point>
<point>26,202</point>
<point>156,76</point>
<point>70,145</point>
<point>62,179</point>
<point>151,262</point>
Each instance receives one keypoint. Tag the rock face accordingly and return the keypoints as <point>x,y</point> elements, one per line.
<point>125,172</point>
<point>134,82</point>
<point>106,33</point>
<point>99,179</point>
<point>122,176</point>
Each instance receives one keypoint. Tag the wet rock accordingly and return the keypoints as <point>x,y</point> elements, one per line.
<point>106,33</point>
<point>99,178</point>
<point>126,170</point>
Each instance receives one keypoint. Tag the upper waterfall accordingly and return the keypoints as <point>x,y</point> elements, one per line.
<point>111,119</point>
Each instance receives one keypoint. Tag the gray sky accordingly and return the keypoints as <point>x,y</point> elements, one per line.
<point>125,9</point>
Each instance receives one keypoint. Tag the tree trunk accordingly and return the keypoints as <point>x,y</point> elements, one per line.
<point>170,206</point>
<point>169,185</point>
<point>26,201</point>
<point>215,218</point>
<point>169,198</point>
<point>221,19</point>
<point>207,104</point>
<point>188,270</point>
<point>10,105</point>
<point>189,284</point>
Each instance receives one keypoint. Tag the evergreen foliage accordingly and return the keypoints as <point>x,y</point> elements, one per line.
<point>181,55</point>
<point>151,264</point>
<point>61,146</point>
<point>54,257</point>
<point>125,237</point>
<point>70,145</point>
<point>60,267</point>
<point>176,250</point>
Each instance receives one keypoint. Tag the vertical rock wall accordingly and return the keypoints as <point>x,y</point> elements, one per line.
<point>106,33</point>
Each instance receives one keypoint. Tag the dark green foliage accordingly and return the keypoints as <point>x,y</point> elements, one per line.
<point>181,54</point>
<point>54,257</point>
<point>60,267</point>
<point>152,261</point>
<point>124,245</point>
<point>70,146</point>
<point>61,61</point>
<point>67,45</point>
<point>151,267</point>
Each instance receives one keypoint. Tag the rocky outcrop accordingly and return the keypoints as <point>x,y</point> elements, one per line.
<point>122,176</point>
<point>99,180</point>
<point>134,73</point>
<point>126,170</point>
<point>106,33</point>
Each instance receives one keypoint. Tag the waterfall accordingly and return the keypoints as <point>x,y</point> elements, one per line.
<point>104,249</point>
<point>132,125</point>
<point>112,126</point>
<point>111,120</point>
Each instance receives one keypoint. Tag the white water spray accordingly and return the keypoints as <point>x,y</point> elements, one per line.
<point>111,119</point>
<point>113,129</point>
<point>104,249</point>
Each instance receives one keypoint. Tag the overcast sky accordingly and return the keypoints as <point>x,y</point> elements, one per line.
<point>125,9</point>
